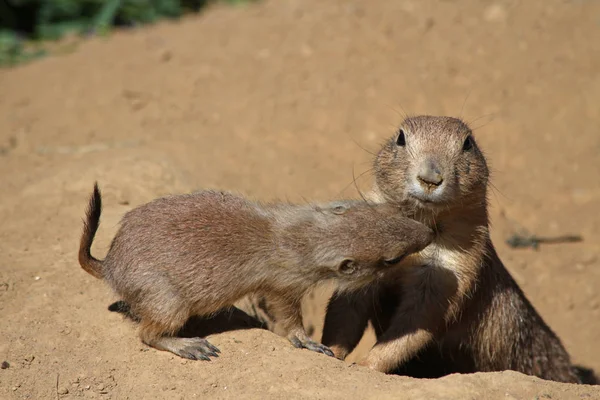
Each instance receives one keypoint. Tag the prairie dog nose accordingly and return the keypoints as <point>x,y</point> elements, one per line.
<point>429,174</point>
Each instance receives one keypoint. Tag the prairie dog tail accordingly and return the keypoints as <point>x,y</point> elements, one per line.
<point>91,265</point>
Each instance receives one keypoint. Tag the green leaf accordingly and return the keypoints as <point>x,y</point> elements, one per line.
<point>55,31</point>
<point>105,18</point>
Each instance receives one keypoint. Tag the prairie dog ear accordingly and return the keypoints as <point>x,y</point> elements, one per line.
<point>339,209</point>
<point>347,266</point>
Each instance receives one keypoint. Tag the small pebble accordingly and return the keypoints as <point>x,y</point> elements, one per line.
<point>495,13</point>
<point>263,54</point>
<point>37,278</point>
<point>63,390</point>
<point>5,365</point>
<point>589,259</point>
<point>166,56</point>
<point>306,51</point>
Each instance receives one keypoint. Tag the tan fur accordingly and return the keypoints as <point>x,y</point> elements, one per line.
<point>198,253</point>
<point>462,311</point>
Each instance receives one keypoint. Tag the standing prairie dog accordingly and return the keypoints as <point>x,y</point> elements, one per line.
<point>198,253</point>
<point>462,312</point>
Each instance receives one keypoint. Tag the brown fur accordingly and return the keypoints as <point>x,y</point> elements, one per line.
<point>90,264</point>
<point>196,254</point>
<point>462,312</point>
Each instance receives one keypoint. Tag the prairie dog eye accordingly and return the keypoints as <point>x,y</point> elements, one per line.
<point>401,141</point>
<point>468,144</point>
<point>394,261</point>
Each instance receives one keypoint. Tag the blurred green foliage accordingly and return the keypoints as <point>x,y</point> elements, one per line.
<point>23,22</point>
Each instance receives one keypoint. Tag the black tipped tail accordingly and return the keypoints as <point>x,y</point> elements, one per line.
<point>90,264</point>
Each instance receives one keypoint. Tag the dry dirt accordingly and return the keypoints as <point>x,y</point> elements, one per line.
<point>285,100</point>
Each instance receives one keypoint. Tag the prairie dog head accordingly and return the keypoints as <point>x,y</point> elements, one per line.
<point>364,241</point>
<point>432,163</point>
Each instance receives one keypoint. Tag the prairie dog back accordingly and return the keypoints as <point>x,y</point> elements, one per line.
<point>195,254</point>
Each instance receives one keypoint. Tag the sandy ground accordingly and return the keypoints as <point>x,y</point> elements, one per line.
<point>285,100</point>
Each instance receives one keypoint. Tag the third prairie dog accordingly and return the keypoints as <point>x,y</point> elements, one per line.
<point>195,254</point>
<point>462,312</point>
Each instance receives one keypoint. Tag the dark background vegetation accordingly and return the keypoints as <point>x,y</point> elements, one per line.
<point>26,24</point>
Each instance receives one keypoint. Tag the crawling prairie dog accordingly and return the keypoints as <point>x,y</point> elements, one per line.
<point>195,254</point>
<point>462,311</point>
